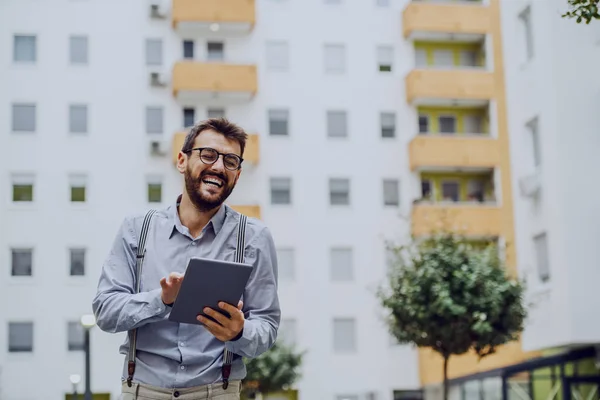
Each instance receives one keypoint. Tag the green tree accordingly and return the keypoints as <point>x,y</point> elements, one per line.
<point>275,370</point>
<point>583,10</point>
<point>448,295</point>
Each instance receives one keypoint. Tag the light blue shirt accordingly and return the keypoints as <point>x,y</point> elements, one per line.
<point>169,354</point>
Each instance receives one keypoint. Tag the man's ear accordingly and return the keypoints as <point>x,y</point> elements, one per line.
<point>237,175</point>
<point>182,160</point>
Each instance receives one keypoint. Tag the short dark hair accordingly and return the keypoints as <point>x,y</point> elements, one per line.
<point>219,125</point>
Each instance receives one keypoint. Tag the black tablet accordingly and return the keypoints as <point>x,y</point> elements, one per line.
<point>206,283</point>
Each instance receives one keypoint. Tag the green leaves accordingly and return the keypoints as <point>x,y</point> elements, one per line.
<point>583,10</point>
<point>274,370</point>
<point>450,296</point>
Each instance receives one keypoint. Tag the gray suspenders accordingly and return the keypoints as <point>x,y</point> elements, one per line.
<point>141,251</point>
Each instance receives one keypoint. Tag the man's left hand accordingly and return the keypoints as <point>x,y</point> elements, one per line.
<point>226,328</point>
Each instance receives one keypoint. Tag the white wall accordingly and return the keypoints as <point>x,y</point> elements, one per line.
<point>559,88</point>
<point>115,157</point>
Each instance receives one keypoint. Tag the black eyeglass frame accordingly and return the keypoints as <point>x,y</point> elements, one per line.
<point>219,154</point>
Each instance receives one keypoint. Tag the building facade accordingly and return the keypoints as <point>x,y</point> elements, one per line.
<point>369,121</point>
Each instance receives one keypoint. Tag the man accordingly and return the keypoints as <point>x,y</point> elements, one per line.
<point>186,360</point>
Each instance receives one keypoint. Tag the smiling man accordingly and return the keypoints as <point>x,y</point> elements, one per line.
<point>181,360</point>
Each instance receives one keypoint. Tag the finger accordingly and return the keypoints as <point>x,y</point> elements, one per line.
<point>223,320</point>
<point>163,283</point>
<point>212,326</point>
<point>229,308</point>
<point>240,305</point>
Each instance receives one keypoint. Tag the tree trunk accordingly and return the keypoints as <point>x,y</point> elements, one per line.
<point>446,377</point>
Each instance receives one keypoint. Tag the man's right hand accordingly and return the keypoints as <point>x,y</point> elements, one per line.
<point>170,287</point>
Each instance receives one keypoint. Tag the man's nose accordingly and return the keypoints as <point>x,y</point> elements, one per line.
<point>219,164</point>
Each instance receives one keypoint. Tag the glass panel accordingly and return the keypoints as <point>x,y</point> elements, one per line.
<point>473,124</point>
<point>281,189</point>
<point>154,52</point>
<point>215,51</point>
<point>75,336</point>
<point>78,121</point>
<point>388,125</point>
<point>344,335</point>
<point>188,49</point>
<point>443,58</point>
<point>154,120</point>
<point>78,49</point>
<point>22,192</point>
<point>337,124</point>
<point>77,262</point>
<point>341,265</point>
<point>216,113</point>
<point>450,191</point>
<point>78,193</point>
<point>25,48</point>
<point>391,192</point>
<point>189,117</point>
<point>154,192</point>
<point>23,117</point>
<point>285,260</point>
<point>447,124</point>
<point>277,56</point>
<point>278,122</point>
<point>468,58</point>
<point>20,336</point>
<point>339,191</point>
<point>423,124</point>
<point>22,262</point>
<point>335,58</point>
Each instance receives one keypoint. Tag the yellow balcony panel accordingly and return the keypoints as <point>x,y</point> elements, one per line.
<point>460,20</point>
<point>465,219</point>
<point>213,16</point>
<point>428,151</point>
<point>252,211</point>
<point>198,81</point>
<point>251,152</point>
<point>442,87</point>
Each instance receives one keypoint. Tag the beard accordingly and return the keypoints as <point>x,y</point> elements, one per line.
<point>196,188</point>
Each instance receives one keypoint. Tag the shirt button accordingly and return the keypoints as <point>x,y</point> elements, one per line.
<point>183,367</point>
<point>182,344</point>
<point>193,243</point>
<point>176,394</point>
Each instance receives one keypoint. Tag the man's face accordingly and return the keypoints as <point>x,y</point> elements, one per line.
<point>209,185</point>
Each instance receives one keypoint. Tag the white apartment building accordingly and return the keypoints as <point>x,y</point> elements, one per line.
<point>94,96</point>
<point>553,91</point>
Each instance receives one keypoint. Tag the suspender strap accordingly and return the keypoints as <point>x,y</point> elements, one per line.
<point>239,257</point>
<point>141,251</point>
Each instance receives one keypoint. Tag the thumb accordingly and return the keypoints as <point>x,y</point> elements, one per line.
<point>163,283</point>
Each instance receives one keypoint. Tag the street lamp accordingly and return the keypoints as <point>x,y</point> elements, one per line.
<point>88,322</point>
<point>75,379</point>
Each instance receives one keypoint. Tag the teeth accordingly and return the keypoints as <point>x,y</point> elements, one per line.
<point>214,181</point>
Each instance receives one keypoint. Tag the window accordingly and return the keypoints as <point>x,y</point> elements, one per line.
<point>78,118</point>
<point>340,261</point>
<point>335,58</point>
<point>216,113</point>
<point>476,190</point>
<point>154,51</point>
<point>22,262</point>
<point>443,58</point>
<point>77,262</point>
<point>20,337</point>
<point>421,58</point>
<point>541,254</point>
<point>25,48</point>
<point>388,124</point>
<point>288,331</point>
<point>77,184</point>
<point>286,265</point>
<point>532,126</point>
<point>279,122</point>
<point>339,191</point>
<point>423,124</point>
<point>278,58</point>
<point>281,190</point>
<point>22,187</point>
<point>154,192</point>
<point>215,51</point>
<point>447,124</point>
<point>189,117</point>
<point>337,125</point>
<point>450,191</point>
<point>344,335</point>
<point>426,190</point>
<point>347,397</point>
<point>75,336</point>
<point>154,120</point>
<point>525,18</point>
<point>385,58</point>
<point>473,124</point>
<point>468,58</point>
<point>188,49</point>
<point>391,192</point>
<point>23,117</point>
<point>78,49</point>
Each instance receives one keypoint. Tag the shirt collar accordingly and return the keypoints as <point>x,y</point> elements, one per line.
<point>216,222</point>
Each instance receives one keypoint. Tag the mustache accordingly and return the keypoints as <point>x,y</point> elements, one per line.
<point>205,174</point>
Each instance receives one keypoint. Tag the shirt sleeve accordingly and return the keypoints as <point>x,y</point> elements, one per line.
<point>116,306</point>
<point>261,302</point>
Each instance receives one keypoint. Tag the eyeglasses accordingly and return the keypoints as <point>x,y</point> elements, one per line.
<point>210,156</point>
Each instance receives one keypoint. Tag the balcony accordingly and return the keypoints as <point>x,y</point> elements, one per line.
<point>251,152</point>
<point>466,219</point>
<point>229,17</point>
<point>215,82</point>
<point>428,151</point>
<point>461,201</point>
<point>443,87</point>
<point>252,211</point>
<point>440,20</point>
